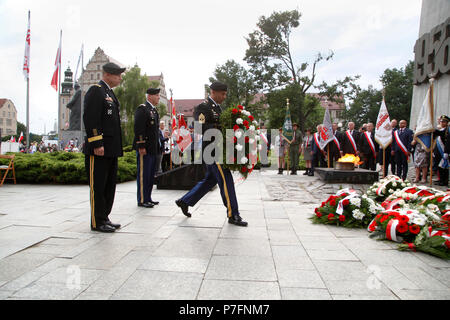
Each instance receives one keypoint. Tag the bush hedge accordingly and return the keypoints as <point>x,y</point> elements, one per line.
<point>63,168</point>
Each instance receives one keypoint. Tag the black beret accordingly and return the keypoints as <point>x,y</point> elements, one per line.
<point>218,86</point>
<point>113,68</point>
<point>152,91</point>
<point>445,118</point>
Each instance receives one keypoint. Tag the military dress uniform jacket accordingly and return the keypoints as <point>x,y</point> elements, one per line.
<point>102,121</point>
<point>208,115</point>
<point>146,129</point>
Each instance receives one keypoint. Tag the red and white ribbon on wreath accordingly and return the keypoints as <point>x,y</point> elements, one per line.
<point>340,207</point>
<point>391,230</point>
<point>393,203</point>
<point>384,184</point>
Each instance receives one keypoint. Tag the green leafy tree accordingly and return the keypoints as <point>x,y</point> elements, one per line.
<point>398,86</point>
<point>241,87</point>
<point>131,94</point>
<point>270,57</point>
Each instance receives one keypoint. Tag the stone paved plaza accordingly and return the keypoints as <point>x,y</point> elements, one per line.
<point>47,250</point>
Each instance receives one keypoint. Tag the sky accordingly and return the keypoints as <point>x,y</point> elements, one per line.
<point>187,40</point>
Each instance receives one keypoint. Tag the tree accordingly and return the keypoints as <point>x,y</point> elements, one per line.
<point>271,60</point>
<point>131,94</point>
<point>398,86</point>
<point>241,87</point>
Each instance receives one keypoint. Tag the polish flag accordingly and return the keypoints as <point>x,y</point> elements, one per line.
<point>26,58</point>
<point>21,137</point>
<point>174,114</point>
<point>55,79</point>
<point>184,138</point>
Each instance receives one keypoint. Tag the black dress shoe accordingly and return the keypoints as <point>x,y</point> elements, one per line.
<point>146,205</point>
<point>104,228</point>
<point>237,220</point>
<point>184,207</point>
<point>114,225</point>
<point>155,203</point>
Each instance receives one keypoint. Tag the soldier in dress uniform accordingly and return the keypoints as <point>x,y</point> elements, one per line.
<point>147,144</point>
<point>103,145</point>
<point>208,115</point>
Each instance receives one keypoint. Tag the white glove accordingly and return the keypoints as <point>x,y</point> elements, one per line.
<point>446,156</point>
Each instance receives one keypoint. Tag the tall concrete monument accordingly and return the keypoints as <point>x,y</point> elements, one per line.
<point>432,58</point>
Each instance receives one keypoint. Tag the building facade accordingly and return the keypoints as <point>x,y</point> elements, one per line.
<point>8,118</point>
<point>91,75</point>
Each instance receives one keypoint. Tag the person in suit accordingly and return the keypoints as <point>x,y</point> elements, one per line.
<point>349,140</point>
<point>147,144</point>
<point>368,148</point>
<point>208,115</point>
<point>401,148</point>
<point>318,155</point>
<point>295,148</point>
<point>389,158</point>
<point>103,145</point>
<point>335,145</point>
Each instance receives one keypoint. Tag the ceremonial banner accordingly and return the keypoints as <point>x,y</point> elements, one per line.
<point>383,129</point>
<point>326,134</point>
<point>287,127</point>
<point>183,135</point>
<point>425,121</point>
<point>26,58</point>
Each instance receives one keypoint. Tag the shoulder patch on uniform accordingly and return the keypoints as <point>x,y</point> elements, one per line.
<point>97,85</point>
<point>201,118</point>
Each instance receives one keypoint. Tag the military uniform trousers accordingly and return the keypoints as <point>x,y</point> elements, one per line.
<point>294,157</point>
<point>146,169</point>
<point>215,174</point>
<point>102,176</point>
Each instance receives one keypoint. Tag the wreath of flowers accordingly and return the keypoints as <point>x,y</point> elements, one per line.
<point>245,139</point>
<point>416,217</point>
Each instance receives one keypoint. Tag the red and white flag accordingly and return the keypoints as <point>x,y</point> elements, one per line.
<point>21,137</point>
<point>55,77</point>
<point>26,57</point>
<point>174,114</point>
<point>13,139</point>
<point>183,136</point>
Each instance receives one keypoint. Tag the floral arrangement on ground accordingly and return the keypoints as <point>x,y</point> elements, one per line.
<point>416,217</point>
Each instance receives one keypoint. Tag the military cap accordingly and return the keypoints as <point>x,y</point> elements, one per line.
<point>152,91</point>
<point>113,68</point>
<point>218,86</point>
<point>444,118</point>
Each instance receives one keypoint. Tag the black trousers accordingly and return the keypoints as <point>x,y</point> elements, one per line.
<point>102,177</point>
<point>443,176</point>
<point>318,161</point>
<point>401,162</point>
<point>369,162</point>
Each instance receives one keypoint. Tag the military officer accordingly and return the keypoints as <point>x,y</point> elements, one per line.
<point>103,145</point>
<point>147,145</point>
<point>208,115</point>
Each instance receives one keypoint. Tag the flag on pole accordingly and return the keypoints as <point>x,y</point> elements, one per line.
<point>287,127</point>
<point>75,79</point>
<point>55,77</point>
<point>21,137</point>
<point>425,121</point>
<point>383,129</point>
<point>326,134</point>
<point>26,58</point>
<point>13,139</point>
<point>174,114</point>
<point>184,138</point>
